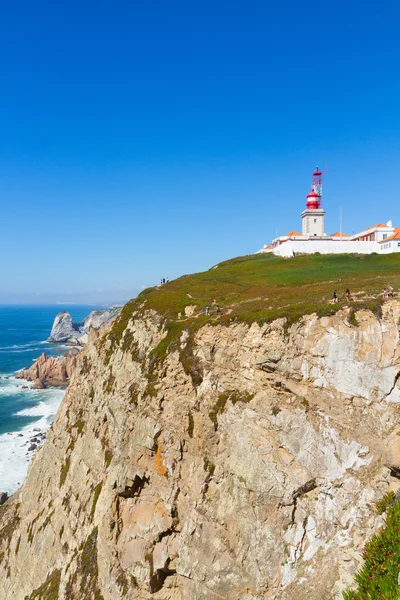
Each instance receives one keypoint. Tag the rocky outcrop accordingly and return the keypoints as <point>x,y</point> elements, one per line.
<point>51,371</point>
<point>243,462</point>
<point>64,330</point>
<point>99,318</point>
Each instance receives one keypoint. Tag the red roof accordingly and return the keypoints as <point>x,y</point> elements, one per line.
<point>394,236</point>
<point>338,234</point>
<point>292,233</point>
<point>313,194</point>
<point>374,227</point>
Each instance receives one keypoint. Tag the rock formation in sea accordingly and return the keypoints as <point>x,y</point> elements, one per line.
<point>49,371</point>
<point>241,461</point>
<point>64,330</point>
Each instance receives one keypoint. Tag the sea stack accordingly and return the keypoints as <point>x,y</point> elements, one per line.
<point>63,328</point>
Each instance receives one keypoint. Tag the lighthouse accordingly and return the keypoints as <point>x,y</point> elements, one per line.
<point>313,216</point>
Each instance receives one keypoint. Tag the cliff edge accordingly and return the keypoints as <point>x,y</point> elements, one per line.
<point>212,457</point>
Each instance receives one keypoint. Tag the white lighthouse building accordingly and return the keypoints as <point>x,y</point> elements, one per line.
<point>313,217</point>
<point>380,238</point>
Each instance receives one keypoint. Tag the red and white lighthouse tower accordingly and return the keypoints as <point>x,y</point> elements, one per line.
<point>313,216</point>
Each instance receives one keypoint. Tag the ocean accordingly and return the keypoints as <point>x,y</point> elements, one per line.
<point>25,413</point>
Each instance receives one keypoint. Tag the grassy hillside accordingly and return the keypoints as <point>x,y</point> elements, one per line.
<point>263,287</point>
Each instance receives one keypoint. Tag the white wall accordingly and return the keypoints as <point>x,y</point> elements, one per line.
<point>388,247</point>
<point>326,247</point>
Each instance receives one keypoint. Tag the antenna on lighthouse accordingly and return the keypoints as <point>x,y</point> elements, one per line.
<point>317,185</point>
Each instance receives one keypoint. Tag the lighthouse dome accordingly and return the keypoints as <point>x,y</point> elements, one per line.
<point>313,200</point>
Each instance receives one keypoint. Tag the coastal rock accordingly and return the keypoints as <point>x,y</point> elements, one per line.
<point>99,318</point>
<point>3,497</point>
<point>63,328</point>
<point>50,371</point>
<point>245,464</point>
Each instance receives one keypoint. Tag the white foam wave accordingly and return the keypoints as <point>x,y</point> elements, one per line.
<point>16,346</point>
<point>13,389</point>
<point>14,453</point>
<point>12,386</point>
<point>43,409</point>
<point>20,350</point>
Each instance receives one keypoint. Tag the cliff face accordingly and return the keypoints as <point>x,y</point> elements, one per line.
<point>243,463</point>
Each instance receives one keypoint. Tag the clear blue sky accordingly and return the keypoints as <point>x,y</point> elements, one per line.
<point>155,138</point>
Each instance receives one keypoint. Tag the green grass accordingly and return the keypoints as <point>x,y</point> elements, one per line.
<point>384,503</point>
<point>377,580</point>
<point>260,288</point>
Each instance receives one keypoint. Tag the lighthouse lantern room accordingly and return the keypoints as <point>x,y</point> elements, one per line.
<point>313,216</point>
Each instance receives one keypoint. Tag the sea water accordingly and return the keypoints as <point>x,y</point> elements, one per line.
<point>26,413</point>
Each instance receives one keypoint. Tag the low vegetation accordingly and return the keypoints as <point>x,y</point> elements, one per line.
<point>234,396</point>
<point>96,494</point>
<point>84,582</point>
<point>50,588</point>
<point>384,503</point>
<point>257,288</point>
<point>264,287</point>
<point>378,578</point>
<point>64,471</point>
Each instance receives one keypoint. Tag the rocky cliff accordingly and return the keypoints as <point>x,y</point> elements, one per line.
<point>50,370</point>
<point>64,330</point>
<point>223,462</point>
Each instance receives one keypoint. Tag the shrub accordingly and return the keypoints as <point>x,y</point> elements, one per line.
<point>377,580</point>
<point>383,504</point>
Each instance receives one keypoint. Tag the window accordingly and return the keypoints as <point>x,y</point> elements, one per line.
<point>398,243</point>
<point>315,220</point>
<point>384,236</point>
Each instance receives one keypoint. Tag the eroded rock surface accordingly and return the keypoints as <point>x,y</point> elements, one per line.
<point>51,371</point>
<point>244,464</point>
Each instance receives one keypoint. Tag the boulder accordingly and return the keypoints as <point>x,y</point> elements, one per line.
<point>3,497</point>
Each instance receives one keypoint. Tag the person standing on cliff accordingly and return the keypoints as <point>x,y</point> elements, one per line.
<point>335,299</point>
<point>207,311</point>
